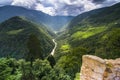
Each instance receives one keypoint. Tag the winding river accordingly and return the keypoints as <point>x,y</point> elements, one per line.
<point>53,51</point>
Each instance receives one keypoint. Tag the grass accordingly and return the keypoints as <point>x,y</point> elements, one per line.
<point>87,32</point>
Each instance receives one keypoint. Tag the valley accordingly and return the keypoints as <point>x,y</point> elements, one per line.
<point>30,50</point>
<point>51,22</point>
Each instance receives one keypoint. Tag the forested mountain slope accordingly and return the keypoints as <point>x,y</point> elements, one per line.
<point>16,35</point>
<point>96,32</point>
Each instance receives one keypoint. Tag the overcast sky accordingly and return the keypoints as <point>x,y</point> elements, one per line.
<point>60,7</point>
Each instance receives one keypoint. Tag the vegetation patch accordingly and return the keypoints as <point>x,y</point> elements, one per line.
<point>87,32</point>
<point>12,32</point>
<point>65,48</point>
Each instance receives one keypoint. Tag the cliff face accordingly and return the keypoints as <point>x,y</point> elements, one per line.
<point>95,68</point>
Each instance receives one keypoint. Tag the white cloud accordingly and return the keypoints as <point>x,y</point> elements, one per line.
<point>74,7</point>
<point>48,10</point>
<point>24,3</point>
<point>61,7</point>
<point>88,5</point>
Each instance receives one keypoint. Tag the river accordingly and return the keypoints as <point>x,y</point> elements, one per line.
<point>53,51</point>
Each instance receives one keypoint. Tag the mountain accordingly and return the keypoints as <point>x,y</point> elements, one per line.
<point>96,32</point>
<point>98,16</point>
<point>18,35</point>
<point>53,22</point>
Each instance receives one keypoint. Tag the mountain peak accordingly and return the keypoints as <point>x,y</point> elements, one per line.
<point>17,18</point>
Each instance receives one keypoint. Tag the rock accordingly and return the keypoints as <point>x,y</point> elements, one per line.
<point>95,68</point>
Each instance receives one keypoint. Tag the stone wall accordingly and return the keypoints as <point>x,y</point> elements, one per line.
<point>95,68</point>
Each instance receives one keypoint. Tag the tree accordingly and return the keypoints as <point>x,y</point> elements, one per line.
<point>51,59</point>
<point>34,48</point>
<point>71,62</point>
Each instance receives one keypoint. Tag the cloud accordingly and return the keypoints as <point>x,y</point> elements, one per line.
<point>71,7</point>
<point>65,7</point>
<point>48,10</point>
<point>61,7</point>
<point>24,3</point>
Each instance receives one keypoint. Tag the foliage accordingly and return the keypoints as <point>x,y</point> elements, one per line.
<point>12,69</point>
<point>71,62</point>
<point>35,50</point>
<point>65,48</point>
<point>52,61</point>
<point>9,69</point>
<point>77,76</point>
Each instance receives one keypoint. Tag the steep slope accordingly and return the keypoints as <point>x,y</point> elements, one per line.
<point>96,17</point>
<point>95,32</point>
<point>15,34</point>
<point>54,22</point>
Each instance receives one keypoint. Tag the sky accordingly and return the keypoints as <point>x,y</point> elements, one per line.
<point>60,7</point>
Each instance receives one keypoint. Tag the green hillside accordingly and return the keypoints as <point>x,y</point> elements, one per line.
<point>95,32</point>
<point>98,32</point>
<point>30,46</point>
<point>15,34</point>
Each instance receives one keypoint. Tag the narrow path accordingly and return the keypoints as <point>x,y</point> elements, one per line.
<point>53,51</point>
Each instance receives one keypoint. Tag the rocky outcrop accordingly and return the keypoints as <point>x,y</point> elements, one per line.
<point>95,68</point>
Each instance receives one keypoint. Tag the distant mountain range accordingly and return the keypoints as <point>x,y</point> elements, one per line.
<point>53,22</point>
